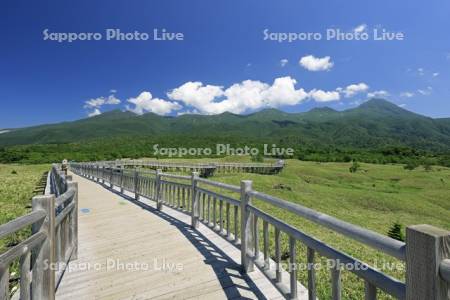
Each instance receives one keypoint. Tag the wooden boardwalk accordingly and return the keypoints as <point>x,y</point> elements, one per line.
<point>165,257</point>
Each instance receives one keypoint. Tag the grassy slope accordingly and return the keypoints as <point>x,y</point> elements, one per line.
<point>374,197</point>
<point>16,190</point>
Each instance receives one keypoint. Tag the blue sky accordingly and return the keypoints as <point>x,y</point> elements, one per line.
<point>223,63</point>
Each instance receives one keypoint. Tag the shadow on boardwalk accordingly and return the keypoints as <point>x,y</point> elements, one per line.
<point>225,268</point>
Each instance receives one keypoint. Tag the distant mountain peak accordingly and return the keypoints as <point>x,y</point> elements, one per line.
<point>379,102</point>
<point>382,107</point>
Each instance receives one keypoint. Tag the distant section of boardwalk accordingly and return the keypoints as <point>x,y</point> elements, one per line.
<point>205,169</point>
<point>129,250</point>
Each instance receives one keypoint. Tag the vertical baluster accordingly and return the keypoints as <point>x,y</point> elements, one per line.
<point>174,196</point>
<point>256,236</point>
<point>203,206</point>
<point>4,283</point>
<point>220,216</point>
<point>58,243</point>
<point>167,194</point>
<point>277,255</point>
<point>67,236</point>
<point>292,268</point>
<point>25,276</point>
<point>266,244</point>
<point>184,199</point>
<point>236,224</point>
<point>178,197</point>
<point>74,222</point>
<point>336,282</point>
<point>62,239</point>
<point>209,209</point>
<point>370,291</point>
<point>195,209</point>
<point>189,206</point>
<point>200,207</point>
<point>228,219</point>
<point>214,212</point>
<point>311,274</point>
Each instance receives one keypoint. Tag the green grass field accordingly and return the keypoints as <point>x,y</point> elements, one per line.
<point>374,197</point>
<point>17,183</point>
<point>17,187</point>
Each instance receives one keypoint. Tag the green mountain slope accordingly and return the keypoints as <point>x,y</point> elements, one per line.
<point>374,124</point>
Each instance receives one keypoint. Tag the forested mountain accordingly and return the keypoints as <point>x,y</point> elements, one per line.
<point>373,123</point>
<point>373,126</point>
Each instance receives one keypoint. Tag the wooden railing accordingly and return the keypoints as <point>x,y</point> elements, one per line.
<point>426,252</point>
<point>205,169</point>
<point>53,243</point>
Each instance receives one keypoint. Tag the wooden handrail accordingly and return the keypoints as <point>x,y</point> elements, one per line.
<point>49,220</point>
<point>425,251</point>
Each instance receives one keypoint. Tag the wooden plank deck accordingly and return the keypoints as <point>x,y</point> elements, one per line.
<point>166,258</point>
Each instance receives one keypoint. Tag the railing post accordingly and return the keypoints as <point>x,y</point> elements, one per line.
<point>111,185</point>
<point>136,185</point>
<point>426,247</point>
<point>194,207</point>
<point>121,180</point>
<point>246,227</point>
<point>43,282</point>
<point>159,203</point>
<point>74,221</point>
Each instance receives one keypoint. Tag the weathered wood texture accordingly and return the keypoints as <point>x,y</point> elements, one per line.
<point>426,248</point>
<point>121,230</point>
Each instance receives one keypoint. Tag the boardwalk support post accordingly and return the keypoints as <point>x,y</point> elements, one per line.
<point>159,203</point>
<point>194,207</point>
<point>246,227</point>
<point>43,283</point>
<point>426,247</point>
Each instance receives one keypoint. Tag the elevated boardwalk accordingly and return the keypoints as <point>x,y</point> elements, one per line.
<point>199,241</point>
<point>115,228</point>
<point>205,169</point>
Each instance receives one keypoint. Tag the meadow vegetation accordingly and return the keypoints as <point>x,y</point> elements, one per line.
<point>376,197</point>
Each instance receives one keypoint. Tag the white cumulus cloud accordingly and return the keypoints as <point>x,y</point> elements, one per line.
<point>284,62</point>
<point>100,101</point>
<point>406,94</point>
<point>315,64</point>
<point>353,89</point>
<point>380,93</point>
<point>283,92</point>
<point>324,96</point>
<point>146,103</point>
<point>248,95</point>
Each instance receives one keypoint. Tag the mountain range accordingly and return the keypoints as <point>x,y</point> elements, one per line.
<point>373,124</point>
